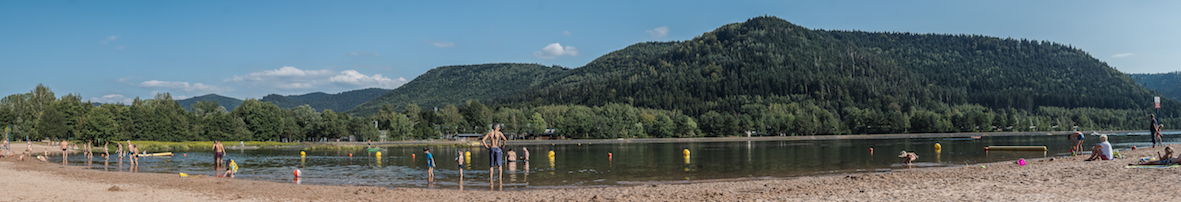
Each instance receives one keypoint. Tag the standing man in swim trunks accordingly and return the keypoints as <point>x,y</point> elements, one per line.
<point>65,147</point>
<point>219,151</point>
<point>1152,130</point>
<point>497,156</point>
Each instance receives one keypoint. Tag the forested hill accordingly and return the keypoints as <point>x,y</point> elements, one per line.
<point>228,102</point>
<point>321,101</point>
<point>455,84</point>
<point>1167,84</point>
<point>768,60</point>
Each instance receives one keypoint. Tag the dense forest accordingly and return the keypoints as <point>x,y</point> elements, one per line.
<point>1167,84</point>
<point>40,115</point>
<point>321,101</point>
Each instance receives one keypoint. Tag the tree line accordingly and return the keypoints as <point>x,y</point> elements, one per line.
<point>40,115</point>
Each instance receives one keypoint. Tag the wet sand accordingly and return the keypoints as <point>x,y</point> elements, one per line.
<point>1060,179</point>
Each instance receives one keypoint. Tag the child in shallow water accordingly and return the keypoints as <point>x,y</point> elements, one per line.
<point>908,157</point>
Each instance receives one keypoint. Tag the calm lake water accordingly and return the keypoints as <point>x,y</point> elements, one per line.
<point>629,164</point>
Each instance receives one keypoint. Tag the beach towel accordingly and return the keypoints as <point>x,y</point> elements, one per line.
<point>1154,166</point>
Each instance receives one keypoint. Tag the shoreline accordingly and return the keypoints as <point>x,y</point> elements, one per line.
<point>1053,179</point>
<point>715,139</point>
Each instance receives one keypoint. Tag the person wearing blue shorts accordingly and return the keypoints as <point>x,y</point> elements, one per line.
<point>496,155</point>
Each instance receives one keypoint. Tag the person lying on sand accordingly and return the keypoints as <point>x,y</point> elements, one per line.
<point>908,157</point>
<point>1102,150</point>
<point>1167,159</point>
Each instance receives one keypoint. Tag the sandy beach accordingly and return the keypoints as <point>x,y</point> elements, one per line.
<point>1051,179</point>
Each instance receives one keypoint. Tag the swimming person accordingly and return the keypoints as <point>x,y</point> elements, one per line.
<point>512,155</point>
<point>495,153</point>
<point>526,152</point>
<point>430,164</point>
<point>1102,150</point>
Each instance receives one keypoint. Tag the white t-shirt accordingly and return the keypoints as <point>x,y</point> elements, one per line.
<point>1106,148</point>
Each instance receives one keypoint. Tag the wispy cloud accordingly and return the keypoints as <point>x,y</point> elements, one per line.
<point>183,86</point>
<point>441,44</point>
<point>289,78</point>
<point>121,47</point>
<point>112,98</point>
<point>109,39</point>
<point>659,32</point>
<point>554,50</point>
<point>1122,55</point>
<point>567,32</point>
<point>365,54</point>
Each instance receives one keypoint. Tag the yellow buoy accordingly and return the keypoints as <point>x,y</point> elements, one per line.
<point>551,153</point>
<point>467,155</point>
<point>937,146</point>
<point>685,152</point>
<point>378,154</point>
<point>302,154</point>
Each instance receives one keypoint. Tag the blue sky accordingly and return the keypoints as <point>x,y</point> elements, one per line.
<point>113,51</point>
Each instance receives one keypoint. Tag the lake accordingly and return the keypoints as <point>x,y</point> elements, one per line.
<point>577,165</point>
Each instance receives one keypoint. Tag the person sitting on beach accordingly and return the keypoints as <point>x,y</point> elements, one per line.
<point>908,157</point>
<point>1166,159</point>
<point>512,155</point>
<point>1102,150</point>
<point>232,169</point>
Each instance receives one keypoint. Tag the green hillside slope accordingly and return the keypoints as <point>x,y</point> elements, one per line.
<point>1167,84</point>
<point>455,84</point>
<point>321,101</point>
<point>769,60</point>
<point>228,102</point>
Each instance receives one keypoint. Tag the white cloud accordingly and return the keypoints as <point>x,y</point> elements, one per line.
<point>441,44</point>
<point>183,86</point>
<point>365,54</point>
<point>1122,55</point>
<point>659,32</point>
<point>112,98</point>
<point>109,39</point>
<point>180,97</point>
<point>289,78</point>
<point>567,32</point>
<point>554,50</point>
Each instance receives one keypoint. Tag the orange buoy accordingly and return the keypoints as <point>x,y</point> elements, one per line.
<point>185,154</point>
<point>412,156</point>
<point>350,155</point>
